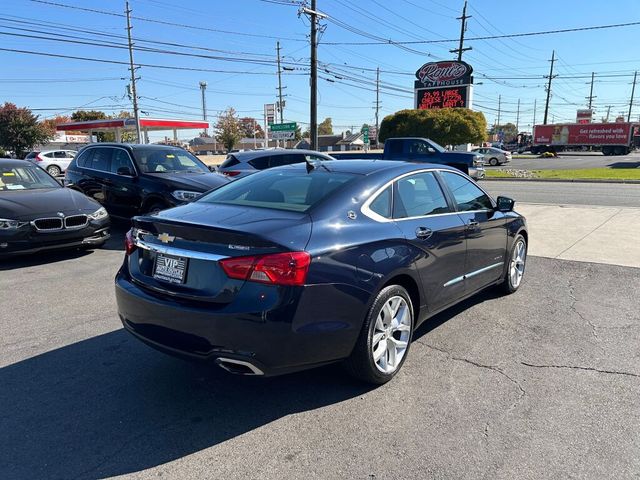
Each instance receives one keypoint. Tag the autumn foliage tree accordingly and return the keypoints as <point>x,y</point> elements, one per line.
<point>20,130</point>
<point>248,125</point>
<point>228,131</point>
<point>446,126</point>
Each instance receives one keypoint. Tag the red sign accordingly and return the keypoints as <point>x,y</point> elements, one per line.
<point>588,134</point>
<point>438,74</point>
<point>427,99</point>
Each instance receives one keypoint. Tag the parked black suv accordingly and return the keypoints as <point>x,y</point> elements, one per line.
<point>132,179</point>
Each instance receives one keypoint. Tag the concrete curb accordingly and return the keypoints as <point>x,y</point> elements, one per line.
<point>559,180</point>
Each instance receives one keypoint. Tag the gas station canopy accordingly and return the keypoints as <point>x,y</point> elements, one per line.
<point>119,125</point>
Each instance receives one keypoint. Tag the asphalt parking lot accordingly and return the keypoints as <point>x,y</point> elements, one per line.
<point>540,384</point>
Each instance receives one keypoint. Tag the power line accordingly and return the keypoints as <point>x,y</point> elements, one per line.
<point>162,22</point>
<point>488,37</point>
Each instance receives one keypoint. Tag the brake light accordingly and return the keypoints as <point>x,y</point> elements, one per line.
<point>288,268</point>
<point>231,173</point>
<point>129,244</point>
<point>38,158</point>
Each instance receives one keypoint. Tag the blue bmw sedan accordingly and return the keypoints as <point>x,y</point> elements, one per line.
<point>308,264</point>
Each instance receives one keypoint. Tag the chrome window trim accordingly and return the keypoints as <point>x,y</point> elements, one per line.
<point>367,212</point>
<point>105,171</point>
<point>453,281</point>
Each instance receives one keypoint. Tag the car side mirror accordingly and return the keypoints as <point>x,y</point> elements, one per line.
<point>505,204</point>
<point>126,171</point>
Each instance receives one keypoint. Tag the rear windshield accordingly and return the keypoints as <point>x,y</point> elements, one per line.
<point>230,161</point>
<point>167,160</point>
<point>293,191</point>
<point>25,178</point>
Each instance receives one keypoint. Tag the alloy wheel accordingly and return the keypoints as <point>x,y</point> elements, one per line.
<point>54,171</point>
<point>391,334</point>
<point>516,266</point>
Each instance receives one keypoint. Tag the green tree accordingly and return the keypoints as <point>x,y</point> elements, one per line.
<point>325,127</point>
<point>228,128</point>
<point>508,129</point>
<point>20,130</point>
<point>446,126</point>
<point>89,115</point>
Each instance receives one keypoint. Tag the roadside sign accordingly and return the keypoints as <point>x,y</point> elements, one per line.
<point>283,135</point>
<point>365,131</point>
<point>283,127</point>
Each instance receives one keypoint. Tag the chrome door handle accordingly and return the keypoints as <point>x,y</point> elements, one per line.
<point>423,233</point>
<point>472,224</point>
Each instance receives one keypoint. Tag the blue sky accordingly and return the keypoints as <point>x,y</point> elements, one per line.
<point>247,30</point>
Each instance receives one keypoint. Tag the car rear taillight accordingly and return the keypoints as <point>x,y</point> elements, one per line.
<point>38,158</point>
<point>231,173</point>
<point>129,244</point>
<point>288,268</point>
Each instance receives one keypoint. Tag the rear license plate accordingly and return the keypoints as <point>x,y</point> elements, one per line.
<point>170,269</point>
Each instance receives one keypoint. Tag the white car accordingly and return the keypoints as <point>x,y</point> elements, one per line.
<point>493,156</point>
<point>54,161</point>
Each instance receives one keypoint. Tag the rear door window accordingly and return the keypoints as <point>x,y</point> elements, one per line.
<point>100,159</point>
<point>261,163</point>
<point>419,195</point>
<point>288,159</point>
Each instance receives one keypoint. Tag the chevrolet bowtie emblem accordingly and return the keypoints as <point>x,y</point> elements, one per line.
<point>166,238</point>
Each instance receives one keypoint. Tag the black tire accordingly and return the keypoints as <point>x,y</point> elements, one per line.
<point>508,286</point>
<point>361,364</point>
<point>154,208</point>
<point>493,161</point>
<point>54,170</point>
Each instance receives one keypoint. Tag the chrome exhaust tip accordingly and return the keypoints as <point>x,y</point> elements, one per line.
<point>239,367</point>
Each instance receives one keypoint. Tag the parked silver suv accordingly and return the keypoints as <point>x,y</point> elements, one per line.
<point>54,161</point>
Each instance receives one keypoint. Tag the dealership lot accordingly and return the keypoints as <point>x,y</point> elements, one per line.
<point>540,384</point>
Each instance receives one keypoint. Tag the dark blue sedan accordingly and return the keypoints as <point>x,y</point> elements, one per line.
<point>307,264</point>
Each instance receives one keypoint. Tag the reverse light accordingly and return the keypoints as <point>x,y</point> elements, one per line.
<point>129,244</point>
<point>289,268</point>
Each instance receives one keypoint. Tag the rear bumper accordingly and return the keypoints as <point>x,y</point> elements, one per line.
<point>21,245</point>
<point>277,330</point>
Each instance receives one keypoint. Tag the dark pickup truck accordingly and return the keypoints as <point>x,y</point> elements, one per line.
<point>421,150</point>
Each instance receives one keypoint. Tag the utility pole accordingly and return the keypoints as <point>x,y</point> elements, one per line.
<point>463,28</point>
<point>633,91</point>
<point>535,106</point>
<point>313,127</point>
<point>377,102</point>
<point>518,117</point>
<point>499,108</point>
<point>136,114</point>
<point>546,106</point>
<point>280,101</point>
<point>591,97</point>
<point>203,87</point>
<point>608,112</point>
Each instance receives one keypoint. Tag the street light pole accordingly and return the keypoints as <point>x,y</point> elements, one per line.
<point>203,87</point>
<point>313,128</point>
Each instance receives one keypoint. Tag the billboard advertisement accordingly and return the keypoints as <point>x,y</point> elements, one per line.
<point>430,98</point>
<point>587,134</point>
<point>443,74</point>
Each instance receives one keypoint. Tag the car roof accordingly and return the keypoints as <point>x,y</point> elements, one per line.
<point>251,154</point>
<point>8,162</point>
<point>366,166</point>
<point>134,146</point>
